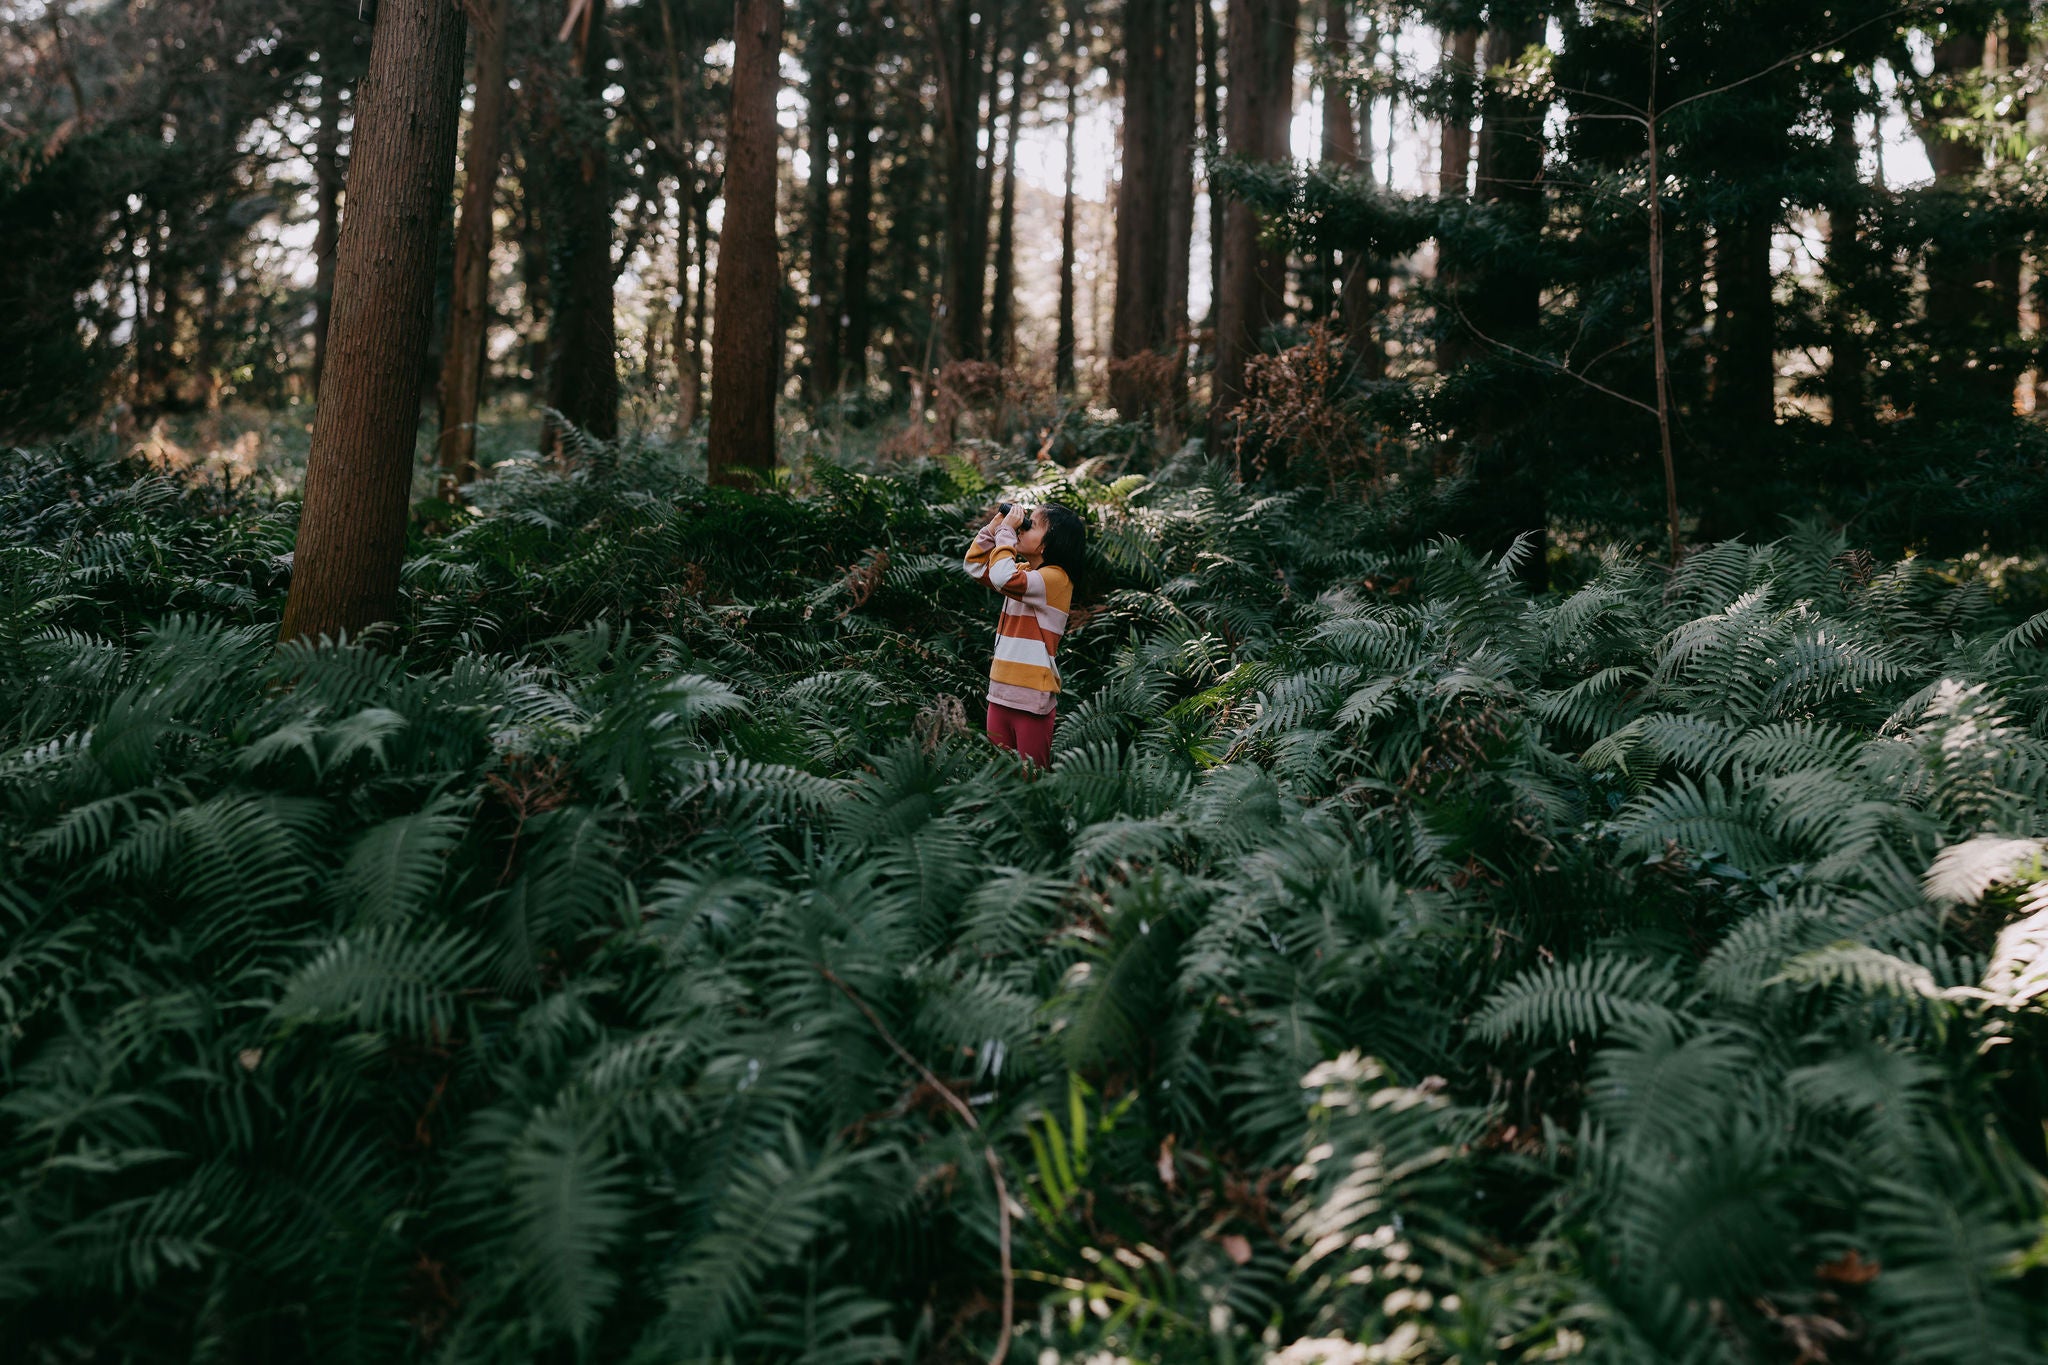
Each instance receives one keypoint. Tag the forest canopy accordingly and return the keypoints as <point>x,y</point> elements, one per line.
<point>1544,854</point>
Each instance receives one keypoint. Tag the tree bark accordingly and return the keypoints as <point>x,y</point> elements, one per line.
<point>351,538</point>
<point>1340,117</point>
<point>583,372</point>
<point>462,367</point>
<point>157,335</point>
<point>1138,313</point>
<point>746,337</point>
<point>1744,329</point>
<point>538,323</point>
<point>1002,323</point>
<point>858,320</point>
<point>1502,302</point>
<point>973,315</point>
<point>1848,357</point>
<point>1261,42</point>
<point>1963,311</point>
<point>959,120</point>
<point>1358,300</point>
<point>1212,139</point>
<point>682,151</point>
<point>821,326</point>
<point>690,372</point>
<point>327,174</point>
<point>1454,161</point>
<point>1184,51</point>
<point>1063,353</point>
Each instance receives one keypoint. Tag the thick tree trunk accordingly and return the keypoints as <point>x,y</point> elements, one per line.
<point>821,326</point>
<point>1063,353</point>
<point>959,118</point>
<point>1340,116</point>
<point>858,319</point>
<point>1155,197</point>
<point>206,354</point>
<point>682,150</point>
<point>690,398</point>
<point>1848,357</point>
<point>351,538</point>
<point>1184,53</point>
<point>975,312</point>
<point>1002,322</point>
<point>1212,138</point>
<point>538,320</point>
<point>1963,311</point>
<point>583,372</point>
<point>1138,315</point>
<point>156,360</point>
<point>327,174</point>
<point>1999,354</point>
<point>1261,56</point>
<point>1499,303</point>
<point>1510,162</point>
<point>1745,335</point>
<point>1454,161</point>
<point>462,367</point>
<point>746,337</point>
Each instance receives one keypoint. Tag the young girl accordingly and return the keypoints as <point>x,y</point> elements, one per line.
<point>1030,556</point>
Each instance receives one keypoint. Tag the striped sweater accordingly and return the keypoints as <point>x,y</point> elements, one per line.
<point>1035,601</point>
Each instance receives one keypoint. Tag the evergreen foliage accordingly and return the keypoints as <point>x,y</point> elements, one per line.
<point>1391,966</point>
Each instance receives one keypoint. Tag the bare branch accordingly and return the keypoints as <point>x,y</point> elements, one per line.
<point>1549,364</point>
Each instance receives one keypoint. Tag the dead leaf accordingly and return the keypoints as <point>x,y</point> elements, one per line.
<point>1848,1268</point>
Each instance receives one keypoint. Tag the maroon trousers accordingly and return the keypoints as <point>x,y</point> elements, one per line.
<point>1021,732</point>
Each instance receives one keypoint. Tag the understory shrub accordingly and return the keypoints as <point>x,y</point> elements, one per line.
<point>636,955</point>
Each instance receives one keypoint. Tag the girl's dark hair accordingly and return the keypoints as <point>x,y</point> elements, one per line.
<point>1065,546</point>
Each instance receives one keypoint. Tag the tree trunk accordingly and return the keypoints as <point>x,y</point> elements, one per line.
<point>973,314</point>
<point>538,323</point>
<point>1261,56</point>
<point>682,150</point>
<point>583,373</point>
<point>1963,320</point>
<point>157,330</point>
<point>1063,353</point>
<point>206,354</point>
<point>690,371</point>
<point>858,319</point>
<point>1455,155</point>
<point>959,118</point>
<point>1340,118</point>
<point>1848,357</point>
<point>462,368</point>
<point>1358,301</point>
<point>1184,54</point>
<point>746,333</point>
<point>1744,331</point>
<point>327,173</point>
<point>1002,324</point>
<point>351,538</point>
<point>1322,278</point>
<point>1212,139</point>
<point>1138,314</point>
<point>821,327</point>
<point>1499,303</point>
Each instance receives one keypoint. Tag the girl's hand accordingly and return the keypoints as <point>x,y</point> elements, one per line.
<point>1015,517</point>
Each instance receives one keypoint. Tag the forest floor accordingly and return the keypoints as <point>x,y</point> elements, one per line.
<point>638,950</point>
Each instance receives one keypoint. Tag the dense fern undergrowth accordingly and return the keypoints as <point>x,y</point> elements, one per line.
<point>639,955</point>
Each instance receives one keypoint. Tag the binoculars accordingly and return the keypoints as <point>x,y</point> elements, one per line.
<point>1003,508</point>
